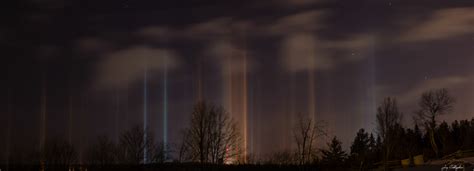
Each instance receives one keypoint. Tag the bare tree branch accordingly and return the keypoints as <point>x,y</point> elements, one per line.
<point>212,137</point>
<point>432,104</point>
<point>305,132</point>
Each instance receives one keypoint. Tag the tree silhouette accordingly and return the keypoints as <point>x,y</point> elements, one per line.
<point>184,153</point>
<point>281,158</point>
<point>60,153</point>
<point>445,138</point>
<point>466,131</point>
<point>374,150</point>
<point>102,153</point>
<point>400,143</point>
<point>418,139</point>
<point>411,143</point>
<point>334,155</point>
<point>133,145</point>
<point>212,137</point>
<point>362,149</point>
<point>432,104</point>
<point>160,153</point>
<point>305,132</point>
<point>388,117</point>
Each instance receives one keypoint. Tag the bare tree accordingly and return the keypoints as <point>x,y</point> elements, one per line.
<point>183,148</point>
<point>60,153</point>
<point>133,145</point>
<point>224,137</point>
<point>102,153</point>
<point>197,135</point>
<point>388,118</point>
<point>213,136</point>
<point>305,132</point>
<point>281,158</point>
<point>432,104</point>
<point>160,153</point>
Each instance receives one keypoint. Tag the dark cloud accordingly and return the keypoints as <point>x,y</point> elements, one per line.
<point>442,24</point>
<point>125,66</point>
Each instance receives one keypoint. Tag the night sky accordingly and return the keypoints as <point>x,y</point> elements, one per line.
<point>83,64</point>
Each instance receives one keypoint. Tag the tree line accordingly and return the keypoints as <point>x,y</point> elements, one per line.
<point>390,142</point>
<point>213,137</point>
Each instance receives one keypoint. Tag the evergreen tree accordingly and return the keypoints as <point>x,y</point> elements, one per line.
<point>470,136</point>
<point>456,133</point>
<point>411,145</point>
<point>361,143</point>
<point>378,149</point>
<point>465,139</point>
<point>372,143</point>
<point>334,155</point>
<point>373,155</point>
<point>418,140</point>
<point>360,150</point>
<point>445,138</point>
<point>400,147</point>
